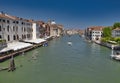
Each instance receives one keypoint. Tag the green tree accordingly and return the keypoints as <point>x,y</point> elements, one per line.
<point>116,25</point>
<point>107,32</point>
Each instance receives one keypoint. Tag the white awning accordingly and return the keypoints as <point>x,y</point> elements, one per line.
<point>18,45</point>
<point>15,46</point>
<point>37,41</point>
<point>5,49</point>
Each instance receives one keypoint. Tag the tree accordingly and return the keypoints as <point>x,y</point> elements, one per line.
<point>116,25</point>
<point>107,32</point>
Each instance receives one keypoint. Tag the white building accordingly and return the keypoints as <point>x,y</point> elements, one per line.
<point>55,29</point>
<point>14,28</point>
<point>94,33</point>
<point>36,30</point>
<point>116,32</point>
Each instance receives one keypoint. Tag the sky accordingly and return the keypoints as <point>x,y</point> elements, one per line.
<point>71,13</point>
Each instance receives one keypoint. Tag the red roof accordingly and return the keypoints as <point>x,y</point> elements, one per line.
<point>116,29</point>
<point>96,28</point>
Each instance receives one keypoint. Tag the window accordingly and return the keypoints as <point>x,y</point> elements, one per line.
<point>0,36</point>
<point>22,23</point>
<point>13,21</point>
<point>22,36</point>
<point>3,20</point>
<point>17,22</point>
<point>17,37</point>
<point>13,28</point>
<point>8,21</point>
<point>16,28</point>
<point>0,28</point>
<point>8,28</point>
<point>3,29</point>
<point>14,38</point>
<point>8,38</point>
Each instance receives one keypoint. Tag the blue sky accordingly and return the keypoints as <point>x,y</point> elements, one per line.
<point>70,13</point>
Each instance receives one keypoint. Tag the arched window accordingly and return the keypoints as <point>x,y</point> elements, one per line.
<point>22,29</point>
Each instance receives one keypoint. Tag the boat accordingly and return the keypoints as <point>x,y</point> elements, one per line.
<point>45,44</point>
<point>69,43</point>
<point>115,55</point>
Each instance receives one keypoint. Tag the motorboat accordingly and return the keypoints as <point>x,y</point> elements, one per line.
<point>69,43</point>
<point>45,44</point>
<point>115,55</point>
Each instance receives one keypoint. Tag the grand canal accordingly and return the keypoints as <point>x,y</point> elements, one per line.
<point>83,62</point>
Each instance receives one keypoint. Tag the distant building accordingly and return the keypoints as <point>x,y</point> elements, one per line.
<point>72,31</point>
<point>94,33</point>
<point>55,29</point>
<point>116,32</point>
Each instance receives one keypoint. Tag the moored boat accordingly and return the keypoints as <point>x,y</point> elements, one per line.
<point>115,55</point>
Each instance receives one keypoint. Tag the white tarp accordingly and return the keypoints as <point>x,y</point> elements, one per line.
<point>37,41</point>
<point>15,46</point>
<point>5,49</point>
<point>18,45</point>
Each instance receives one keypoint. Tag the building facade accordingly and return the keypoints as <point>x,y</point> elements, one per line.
<point>116,32</point>
<point>14,28</point>
<point>55,29</point>
<point>94,33</point>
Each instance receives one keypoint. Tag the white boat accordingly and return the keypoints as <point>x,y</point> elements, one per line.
<point>69,43</point>
<point>116,55</point>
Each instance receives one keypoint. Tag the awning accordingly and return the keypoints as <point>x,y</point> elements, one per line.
<point>18,45</point>
<point>6,49</point>
<point>37,41</point>
<point>15,46</point>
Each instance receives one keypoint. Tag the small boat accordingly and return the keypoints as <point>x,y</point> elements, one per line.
<point>116,56</point>
<point>69,43</point>
<point>45,44</point>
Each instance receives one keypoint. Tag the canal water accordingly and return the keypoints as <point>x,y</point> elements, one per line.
<point>83,62</point>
